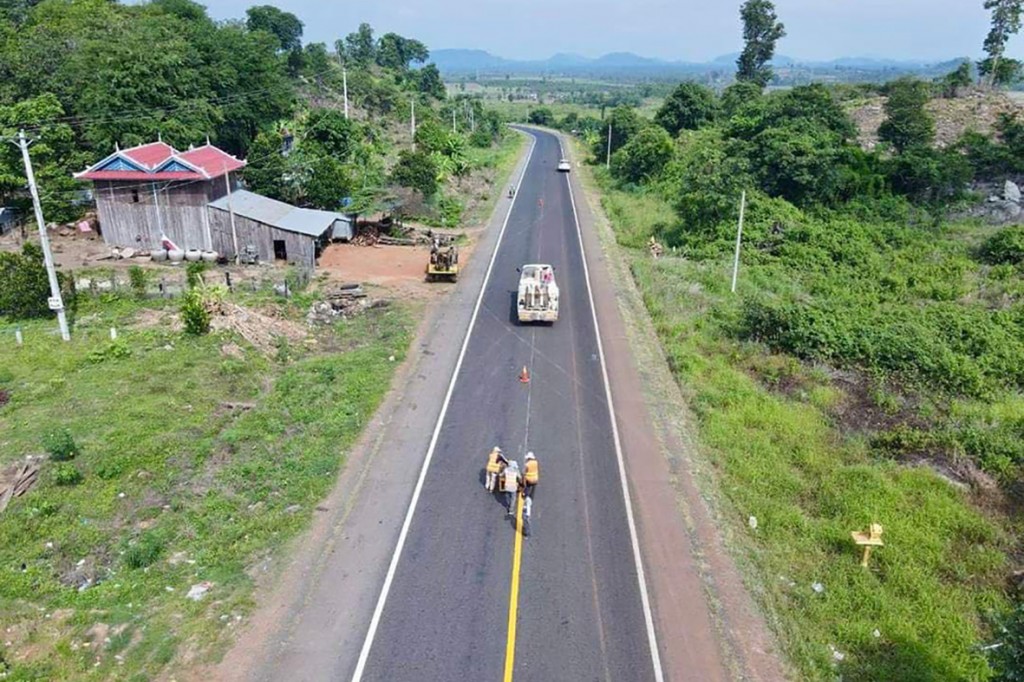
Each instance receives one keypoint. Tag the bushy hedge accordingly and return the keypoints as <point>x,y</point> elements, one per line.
<point>1005,247</point>
<point>24,287</point>
<point>965,350</point>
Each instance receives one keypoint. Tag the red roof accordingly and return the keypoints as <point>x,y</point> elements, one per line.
<point>159,161</point>
<point>150,155</point>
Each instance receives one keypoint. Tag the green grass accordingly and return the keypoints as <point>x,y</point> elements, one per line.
<point>176,488</point>
<point>770,426</point>
<point>502,159</point>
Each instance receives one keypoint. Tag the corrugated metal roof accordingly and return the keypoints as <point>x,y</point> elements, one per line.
<point>277,213</point>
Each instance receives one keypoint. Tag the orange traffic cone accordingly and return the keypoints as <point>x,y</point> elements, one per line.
<point>524,376</point>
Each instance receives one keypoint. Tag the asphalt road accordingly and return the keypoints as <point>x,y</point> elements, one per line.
<point>580,615</point>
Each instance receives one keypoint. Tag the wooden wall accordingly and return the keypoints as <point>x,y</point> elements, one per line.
<point>130,214</point>
<point>301,249</point>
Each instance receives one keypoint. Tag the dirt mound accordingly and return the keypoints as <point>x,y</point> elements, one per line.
<point>977,110</point>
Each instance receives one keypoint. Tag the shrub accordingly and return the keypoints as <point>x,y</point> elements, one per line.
<point>66,474</point>
<point>1007,659</point>
<point>451,211</point>
<point>143,552</point>
<point>138,278</point>
<point>24,287</point>
<point>194,313</point>
<point>1004,247</point>
<point>61,445</point>
<point>115,350</point>
<point>194,273</point>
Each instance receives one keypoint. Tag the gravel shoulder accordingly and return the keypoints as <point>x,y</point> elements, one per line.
<point>708,624</point>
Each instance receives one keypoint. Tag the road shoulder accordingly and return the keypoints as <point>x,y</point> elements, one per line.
<point>706,619</point>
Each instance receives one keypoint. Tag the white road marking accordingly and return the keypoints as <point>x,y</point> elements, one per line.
<point>378,611</point>
<point>652,637</point>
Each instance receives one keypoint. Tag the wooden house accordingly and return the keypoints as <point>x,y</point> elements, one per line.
<point>152,189</point>
<point>193,198</point>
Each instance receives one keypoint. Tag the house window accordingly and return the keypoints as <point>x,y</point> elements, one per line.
<point>280,252</point>
<point>135,196</point>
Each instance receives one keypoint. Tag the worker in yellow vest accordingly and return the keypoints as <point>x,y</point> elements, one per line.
<point>496,463</point>
<point>531,475</point>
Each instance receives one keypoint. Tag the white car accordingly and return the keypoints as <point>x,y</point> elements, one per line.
<point>564,166</point>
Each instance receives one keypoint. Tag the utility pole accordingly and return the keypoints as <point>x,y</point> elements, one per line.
<point>412,126</point>
<point>56,302</point>
<point>344,88</point>
<point>739,237</point>
<point>453,121</point>
<point>231,214</point>
<point>608,156</point>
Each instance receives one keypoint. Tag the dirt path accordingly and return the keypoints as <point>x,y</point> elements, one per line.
<point>692,576</point>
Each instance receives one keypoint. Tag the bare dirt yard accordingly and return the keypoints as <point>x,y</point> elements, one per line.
<point>399,270</point>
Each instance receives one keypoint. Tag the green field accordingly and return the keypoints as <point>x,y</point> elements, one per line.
<point>199,458</point>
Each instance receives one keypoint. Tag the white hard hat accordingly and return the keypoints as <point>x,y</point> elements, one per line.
<point>529,456</point>
<point>497,449</point>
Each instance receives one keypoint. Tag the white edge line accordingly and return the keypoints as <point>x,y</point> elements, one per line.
<point>364,653</point>
<point>652,637</point>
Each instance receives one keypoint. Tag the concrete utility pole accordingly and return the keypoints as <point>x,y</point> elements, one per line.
<point>608,156</point>
<point>344,88</point>
<point>412,126</point>
<point>231,214</point>
<point>56,302</point>
<point>454,130</point>
<point>739,237</point>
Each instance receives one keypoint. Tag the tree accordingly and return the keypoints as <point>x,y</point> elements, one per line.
<point>395,52</point>
<point>430,82</point>
<point>1002,71</point>
<point>907,124</point>
<point>359,46</point>
<point>929,175</point>
<point>625,123</point>
<point>327,183</point>
<point>707,181</point>
<point>955,80</point>
<point>761,30</point>
<point>1006,21</point>
<point>798,161</point>
<point>737,95</point>
<point>284,26</point>
<point>264,173</point>
<point>331,133</point>
<point>416,170</point>
<point>541,116</point>
<point>689,107</point>
<point>644,156</point>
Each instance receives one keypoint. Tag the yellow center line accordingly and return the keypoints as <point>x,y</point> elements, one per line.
<point>513,602</point>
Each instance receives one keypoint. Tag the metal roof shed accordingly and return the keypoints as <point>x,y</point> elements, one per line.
<point>276,230</point>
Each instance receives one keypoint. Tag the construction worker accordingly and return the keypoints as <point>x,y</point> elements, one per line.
<point>496,462</point>
<point>511,481</point>
<point>531,474</point>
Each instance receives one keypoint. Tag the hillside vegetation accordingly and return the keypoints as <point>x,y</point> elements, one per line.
<point>867,369</point>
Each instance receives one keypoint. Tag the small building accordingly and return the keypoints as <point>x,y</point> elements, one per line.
<point>153,188</point>
<point>271,229</point>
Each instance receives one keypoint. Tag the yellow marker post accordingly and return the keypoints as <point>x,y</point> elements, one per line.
<point>868,539</point>
<point>513,603</point>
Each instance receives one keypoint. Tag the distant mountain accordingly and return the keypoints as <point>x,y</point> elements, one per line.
<point>460,62</point>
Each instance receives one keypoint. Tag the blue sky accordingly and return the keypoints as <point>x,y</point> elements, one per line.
<point>695,30</point>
